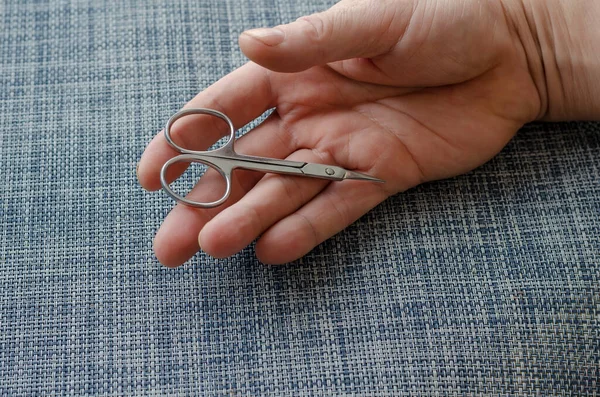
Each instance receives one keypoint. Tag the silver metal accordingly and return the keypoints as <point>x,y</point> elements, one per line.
<point>225,160</point>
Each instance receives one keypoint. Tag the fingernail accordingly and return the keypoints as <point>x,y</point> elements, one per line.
<point>270,37</point>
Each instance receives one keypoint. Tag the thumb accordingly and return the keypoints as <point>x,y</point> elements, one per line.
<point>350,29</point>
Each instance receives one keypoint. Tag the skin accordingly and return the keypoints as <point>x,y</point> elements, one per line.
<point>408,91</point>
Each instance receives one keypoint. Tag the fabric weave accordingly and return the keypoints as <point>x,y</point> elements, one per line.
<point>485,284</point>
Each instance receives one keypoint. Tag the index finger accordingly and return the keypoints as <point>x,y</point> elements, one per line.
<point>242,95</point>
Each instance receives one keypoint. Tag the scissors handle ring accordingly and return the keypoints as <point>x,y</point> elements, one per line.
<point>225,173</point>
<point>187,112</point>
<point>188,155</point>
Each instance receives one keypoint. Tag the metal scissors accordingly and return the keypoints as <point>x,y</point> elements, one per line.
<point>225,160</point>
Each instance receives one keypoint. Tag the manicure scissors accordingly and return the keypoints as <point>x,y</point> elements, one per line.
<point>225,160</point>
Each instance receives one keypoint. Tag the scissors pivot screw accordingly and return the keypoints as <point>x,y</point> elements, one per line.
<point>329,171</point>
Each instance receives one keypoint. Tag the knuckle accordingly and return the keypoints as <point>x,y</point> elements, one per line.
<point>311,228</point>
<point>251,223</point>
<point>314,27</point>
<point>293,192</point>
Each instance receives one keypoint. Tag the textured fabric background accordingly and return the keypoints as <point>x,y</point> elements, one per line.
<point>484,284</point>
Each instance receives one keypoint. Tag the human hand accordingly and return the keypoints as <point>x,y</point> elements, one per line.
<point>407,91</point>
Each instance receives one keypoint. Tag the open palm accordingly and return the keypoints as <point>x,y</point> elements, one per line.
<point>413,103</point>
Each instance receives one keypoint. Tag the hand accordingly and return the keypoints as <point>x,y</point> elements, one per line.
<point>408,91</point>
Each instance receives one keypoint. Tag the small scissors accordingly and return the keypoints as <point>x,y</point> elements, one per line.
<point>225,160</point>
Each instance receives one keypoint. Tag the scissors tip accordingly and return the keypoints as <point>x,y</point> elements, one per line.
<point>362,177</point>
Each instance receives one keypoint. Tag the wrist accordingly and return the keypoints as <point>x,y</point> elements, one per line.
<point>561,41</point>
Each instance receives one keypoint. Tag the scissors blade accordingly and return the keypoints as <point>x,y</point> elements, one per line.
<point>362,177</point>
<point>334,173</point>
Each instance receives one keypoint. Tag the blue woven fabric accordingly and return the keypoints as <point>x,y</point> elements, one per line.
<point>488,283</point>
